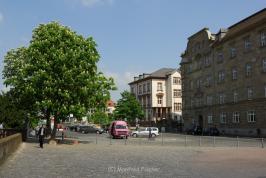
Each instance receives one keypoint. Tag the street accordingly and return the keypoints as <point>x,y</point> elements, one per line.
<point>102,159</point>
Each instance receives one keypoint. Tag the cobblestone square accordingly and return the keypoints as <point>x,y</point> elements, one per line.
<point>88,159</point>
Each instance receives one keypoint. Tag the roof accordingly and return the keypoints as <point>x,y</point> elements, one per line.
<point>161,74</point>
<point>244,25</point>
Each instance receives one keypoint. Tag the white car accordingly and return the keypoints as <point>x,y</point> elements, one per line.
<point>146,131</point>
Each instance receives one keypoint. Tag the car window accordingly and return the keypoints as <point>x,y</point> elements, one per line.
<point>120,127</point>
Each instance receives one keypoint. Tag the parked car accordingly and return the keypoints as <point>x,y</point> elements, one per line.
<point>90,129</point>
<point>196,130</point>
<point>146,131</point>
<point>212,131</point>
<point>119,129</point>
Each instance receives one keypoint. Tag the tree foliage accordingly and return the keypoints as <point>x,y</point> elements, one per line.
<point>99,117</point>
<point>10,115</point>
<point>128,107</point>
<point>58,72</point>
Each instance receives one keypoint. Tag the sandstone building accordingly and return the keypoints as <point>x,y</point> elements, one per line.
<point>224,78</point>
<point>159,93</point>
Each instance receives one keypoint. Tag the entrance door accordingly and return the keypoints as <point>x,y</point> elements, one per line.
<point>201,121</point>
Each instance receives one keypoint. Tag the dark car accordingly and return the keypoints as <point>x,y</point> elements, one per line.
<point>90,129</point>
<point>73,128</point>
<point>212,131</point>
<point>196,130</point>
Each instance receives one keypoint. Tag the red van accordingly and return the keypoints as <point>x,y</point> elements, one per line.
<point>119,129</point>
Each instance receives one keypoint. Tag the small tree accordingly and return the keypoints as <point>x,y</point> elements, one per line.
<point>10,115</point>
<point>128,107</point>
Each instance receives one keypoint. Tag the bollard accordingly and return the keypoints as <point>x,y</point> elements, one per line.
<point>237,142</point>
<point>62,135</point>
<point>125,140</point>
<point>200,141</point>
<point>185,141</point>
<point>214,141</point>
<point>139,141</point>
<point>96,138</point>
<point>262,143</point>
<point>162,138</point>
<point>110,140</point>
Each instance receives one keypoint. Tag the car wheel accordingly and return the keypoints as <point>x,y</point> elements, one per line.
<point>97,132</point>
<point>134,135</point>
<point>82,132</point>
<point>153,135</point>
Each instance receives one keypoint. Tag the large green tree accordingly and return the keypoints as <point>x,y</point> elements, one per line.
<point>128,107</point>
<point>58,70</point>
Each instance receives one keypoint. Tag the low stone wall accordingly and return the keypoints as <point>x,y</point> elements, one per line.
<point>8,145</point>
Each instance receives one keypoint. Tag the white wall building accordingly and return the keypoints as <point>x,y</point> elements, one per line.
<point>159,93</point>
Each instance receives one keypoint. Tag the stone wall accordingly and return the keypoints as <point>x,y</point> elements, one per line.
<point>8,145</point>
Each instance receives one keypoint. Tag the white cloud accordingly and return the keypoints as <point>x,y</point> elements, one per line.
<point>121,82</point>
<point>90,3</point>
<point>1,17</point>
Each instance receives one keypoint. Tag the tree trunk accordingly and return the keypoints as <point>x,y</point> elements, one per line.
<point>53,135</point>
<point>48,122</point>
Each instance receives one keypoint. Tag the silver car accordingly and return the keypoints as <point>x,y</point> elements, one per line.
<point>146,131</point>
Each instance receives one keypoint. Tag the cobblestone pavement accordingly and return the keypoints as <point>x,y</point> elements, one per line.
<point>96,160</point>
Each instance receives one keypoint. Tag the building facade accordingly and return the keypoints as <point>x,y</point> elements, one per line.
<point>110,107</point>
<point>159,93</point>
<point>224,78</point>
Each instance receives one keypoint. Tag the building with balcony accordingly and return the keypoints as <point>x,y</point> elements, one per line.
<point>224,78</point>
<point>159,93</point>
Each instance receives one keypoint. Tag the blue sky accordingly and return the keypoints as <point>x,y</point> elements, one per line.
<point>133,36</point>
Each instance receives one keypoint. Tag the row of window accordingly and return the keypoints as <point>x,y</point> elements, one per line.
<point>222,97</point>
<point>177,106</point>
<point>221,75</point>
<point>224,117</point>
<point>247,47</point>
<point>145,101</point>
<point>206,61</point>
<point>146,87</point>
<point>177,93</point>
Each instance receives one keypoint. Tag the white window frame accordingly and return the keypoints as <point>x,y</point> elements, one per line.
<point>263,38</point>
<point>248,69</point>
<point>247,43</point>
<point>235,96</point>
<point>236,117</point>
<point>175,93</point>
<point>221,76</point>
<point>175,107</point>
<point>179,106</point>
<point>148,87</point>
<point>176,80</point>
<point>221,98</point>
<point>234,74</point>
<point>144,88</point>
<point>264,65</point>
<point>223,118</point>
<point>251,116</point>
<point>159,86</point>
<point>207,60</point>
<point>232,52</point>
<point>159,99</point>
<point>140,89</point>
<point>250,93</point>
<point>210,119</point>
